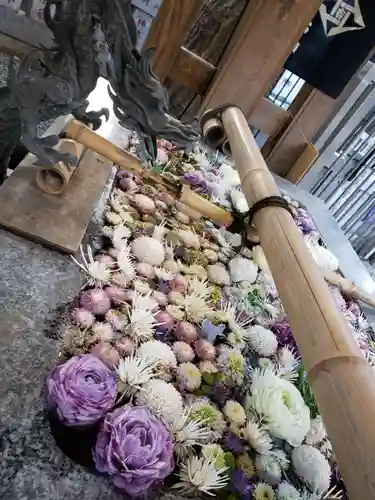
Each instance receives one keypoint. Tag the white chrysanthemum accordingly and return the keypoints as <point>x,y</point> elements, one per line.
<point>232,363</point>
<point>288,364</point>
<point>113,217</point>
<point>188,433</point>
<point>190,376</point>
<point>133,373</point>
<point>312,467</point>
<point>215,454</point>
<point>261,340</point>
<point>141,286</point>
<point>103,331</point>
<point>237,321</point>
<point>120,236</point>
<point>258,438</point>
<point>199,475</point>
<point>235,413</point>
<point>163,274</point>
<point>242,269</point>
<point>203,410</point>
<point>107,231</point>
<point>98,273</point>
<point>159,353</point>
<point>268,469</point>
<point>163,400</point>
<point>125,263</point>
<point>317,432</point>
<point>116,318</point>
<point>281,405</point>
<point>286,491</point>
<point>201,158</point>
<point>142,322</point>
<point>148,250</point>
<point>266,363</point>
<point>281,458</point>
<point>263,491</point>
<point>322,256</point>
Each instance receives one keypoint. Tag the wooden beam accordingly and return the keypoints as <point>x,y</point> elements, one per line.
<point>168,32</point>
<point>192,71</point>
<point>263,40</point>
<point>268,117</point>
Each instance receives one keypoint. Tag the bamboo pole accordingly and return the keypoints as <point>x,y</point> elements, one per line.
<point>349,288</point>
<point>341,378</point>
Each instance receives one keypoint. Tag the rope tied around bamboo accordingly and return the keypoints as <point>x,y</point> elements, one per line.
<point>341,378</point>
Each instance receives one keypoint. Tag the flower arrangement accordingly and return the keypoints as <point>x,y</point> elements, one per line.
<point>179,354</point>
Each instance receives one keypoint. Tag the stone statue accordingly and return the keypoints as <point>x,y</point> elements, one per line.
<point>93,38</point>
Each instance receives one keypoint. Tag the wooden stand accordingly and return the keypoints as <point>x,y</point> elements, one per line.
<point>58,221</point>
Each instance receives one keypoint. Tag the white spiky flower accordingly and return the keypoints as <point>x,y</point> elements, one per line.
<point>268,469</point>
<point>98,273</point>
<point>116,318</point>
<point>158,352</point>
<point>163,399</point>
<point>199,475</point>
<point>125,263</point>
<point>258,438</point>
<point>286,491</point>
<point>133,372</point>
<point>107,231</point>
<point>326,448</point>
<point>115,202</point>
<point>188,433</point>
<point>287,364</point>
<point>261,340</point>
<point>263,491</point>
<point>195,307</point>
<point>201,287</point>
<point>317,432</point>
<point>160,231</point>
<point>142,321</point>
<point>312,467</point>
<point>113,217</point>
<point>281,405</point>
<point>120,236</point>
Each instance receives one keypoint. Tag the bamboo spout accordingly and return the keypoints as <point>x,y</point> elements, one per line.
<point>342,380</point>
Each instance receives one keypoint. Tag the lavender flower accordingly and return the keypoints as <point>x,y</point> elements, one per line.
<point>195,178</point>
<point>222,392</point>
<point>82,390</point>
<point>134,448</point>
<point>306,224</point>
<point>284,335</point>
<point>233,443</point>
<point>241,484</point>
<point>211,331</point>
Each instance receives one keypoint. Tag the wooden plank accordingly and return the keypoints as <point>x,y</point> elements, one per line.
<point>303,164</point>
<point>311,110</point>
<point>59,222</point>
<point>33,33</point>
<point>13,46</point>
<point>268,117</point>
<point>263,40</point>
<point>192,71</point>
<point>168,32</point>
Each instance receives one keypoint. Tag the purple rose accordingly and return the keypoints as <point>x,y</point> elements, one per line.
<point>134,448</point>
<point>82,390</point>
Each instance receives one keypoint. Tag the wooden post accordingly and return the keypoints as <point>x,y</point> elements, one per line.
<point>263,40</point>
<point>168,32</point>
<point>342,380</point>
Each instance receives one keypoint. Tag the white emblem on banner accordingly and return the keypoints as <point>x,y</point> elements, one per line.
<point>343,16</point>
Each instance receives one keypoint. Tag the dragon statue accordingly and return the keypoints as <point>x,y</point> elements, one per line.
<point>92,38</point>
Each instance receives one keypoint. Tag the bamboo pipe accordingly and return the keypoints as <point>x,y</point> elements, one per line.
<point>213,133</point>
<point>54,180</point>
<point>80,133</point>
<point>341,378</point>
<point>349,288</point>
